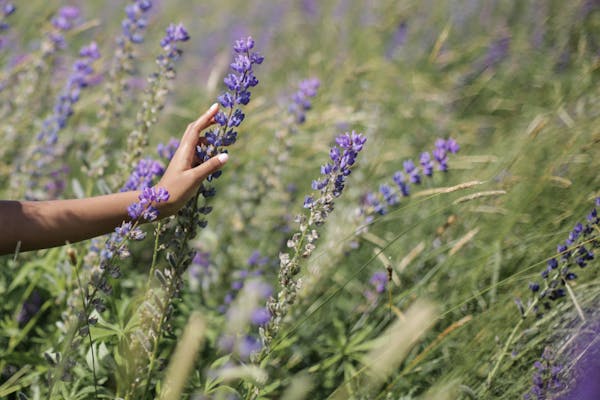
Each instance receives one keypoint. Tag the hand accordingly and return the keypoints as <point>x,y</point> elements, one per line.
<point>184,176</point>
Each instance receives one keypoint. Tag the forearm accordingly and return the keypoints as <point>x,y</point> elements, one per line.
<point>41,224</point>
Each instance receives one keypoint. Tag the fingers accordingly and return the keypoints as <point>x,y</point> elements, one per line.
<point>185,152</point>
<point>204,121</point>
<point>210,166</point>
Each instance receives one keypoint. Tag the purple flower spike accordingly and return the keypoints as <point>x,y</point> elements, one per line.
<point>143,175</point>
<point>572,252</point>
<point>135,23</point>
<point>389,195</point>
<point>174,35</point>
<point>90,51</point>
<point>412,171</point>
<point>64,19</point>
<point>229,118</point>
<point>69,12</point>
<point>301,99</point>
<point>243,45</point>
<point>8,9</point>
<point>426,164</point>
<point>248,346</point>
<point>260,316</point>
<point>379,280</point>
<point>167,151</point>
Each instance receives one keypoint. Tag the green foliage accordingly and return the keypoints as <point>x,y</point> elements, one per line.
<point>527,122</point>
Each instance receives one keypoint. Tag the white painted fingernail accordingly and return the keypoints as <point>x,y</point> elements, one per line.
<point>213,107</point>
<point>223,157</point>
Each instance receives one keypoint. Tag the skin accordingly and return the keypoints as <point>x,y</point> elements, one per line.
<point>43,224</point>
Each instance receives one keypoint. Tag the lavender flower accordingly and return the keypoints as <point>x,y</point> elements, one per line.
<point>245,311</point>
<point>248,346</point>
<point>400,181</point>
<point>255,269</point>
<point>426,164</point>
<point>342,159</point>
<point>271,178</point>
<point>174,35</point>
<point>156,94</point>
<point>167,151</point>
<point>6,10</point>
<point>62,21</point>
<point>302,243</point>
<point>47,150</point>
<point>301,99</point>
<point>378,203</point>
<point>134,26</point>
<point>230,117</point>
<point>547,378</point>
<point>379,281</point>
<point>116,244</point>
<point>497,51</point>
<point>572,252</point>
<point>143,175</point>
<point>201,272</point>
<point>412,171</point>
<point>135,23</point>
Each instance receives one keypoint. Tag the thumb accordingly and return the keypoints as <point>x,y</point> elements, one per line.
<point>209,166</point>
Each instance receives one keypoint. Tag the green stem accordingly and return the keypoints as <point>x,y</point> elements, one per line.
<point>154,254</point>
<point>89,333</point>
<point>509,341</point>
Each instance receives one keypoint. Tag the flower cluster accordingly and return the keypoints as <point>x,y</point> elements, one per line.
<point>178,253</point>
<point>546,378</point>
<point>82,69</point>
<point>167,151</point>
<point>378,282</point>
<point>576,250</point>
<point>246,310</point>
<point>62,21</point>
<point>47,151</point>
<point>301,99</point>
<point>144,207</point>
<point>174,35</point>
<point>254,269</point>
<point>116,244</point>
<point>343,157</point>
<point>201,272</point>
<point>156,93</point>
<point>6,10</point>
<point>230,117</point>
<point>143,174</point>
<point>270,179</point>
<point>302,244</point>
<point>389,195</point>
<point>135,23</point>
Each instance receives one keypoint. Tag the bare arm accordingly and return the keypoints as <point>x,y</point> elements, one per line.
<point>42,224</point>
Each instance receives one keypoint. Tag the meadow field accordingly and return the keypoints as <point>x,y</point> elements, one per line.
<point>409,209</point>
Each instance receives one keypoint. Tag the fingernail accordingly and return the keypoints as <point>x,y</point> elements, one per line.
<point>213,107</point>
<point>223,157</point>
